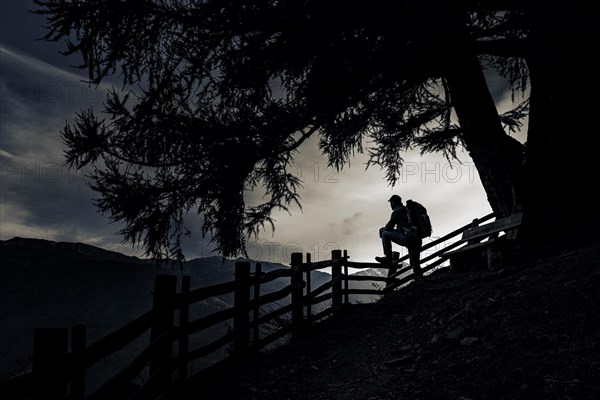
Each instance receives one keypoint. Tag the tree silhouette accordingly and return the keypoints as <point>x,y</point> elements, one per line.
<point>227,91</point>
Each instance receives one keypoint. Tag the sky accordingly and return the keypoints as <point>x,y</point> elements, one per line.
<point>40,197</point>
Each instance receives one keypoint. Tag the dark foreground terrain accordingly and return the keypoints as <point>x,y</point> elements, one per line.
<point>527,330</point>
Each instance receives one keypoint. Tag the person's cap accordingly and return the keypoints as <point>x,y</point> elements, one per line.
<point>395,198</point>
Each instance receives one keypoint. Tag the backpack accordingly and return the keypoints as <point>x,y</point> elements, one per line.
<point>418,217</point>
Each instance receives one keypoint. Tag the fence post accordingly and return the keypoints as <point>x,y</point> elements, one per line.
<point>346,294</point>
<point>78,345</point>
<point>474,223</point>
<point>297,290</point>
<point>241,314</point>
<point>256,313</point>
<point>308,291</point>
<point>184,319</point>
<point>336,275</point>
<point>393,269</point>
<point>50,356</point>
<point>163,307</point>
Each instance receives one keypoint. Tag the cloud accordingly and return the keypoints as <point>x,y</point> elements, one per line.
<point>40,197</point>
<point>31,88</point>
<point>351,224</point>
<point>344,209</point>
<point>6,155</point>
<point>340,209</point>
<point>36,66</point>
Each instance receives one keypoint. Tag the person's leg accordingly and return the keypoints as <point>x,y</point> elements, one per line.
<point>386,241</point>
<point>389,237</point>
<point>412,244</point>
<point>414,255</point>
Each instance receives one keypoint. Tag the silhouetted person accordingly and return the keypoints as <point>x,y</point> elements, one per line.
<point>399,230</point>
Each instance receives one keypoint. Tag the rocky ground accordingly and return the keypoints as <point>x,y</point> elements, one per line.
<point>527,330</point>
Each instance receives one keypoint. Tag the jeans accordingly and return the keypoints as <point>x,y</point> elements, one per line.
<point>407,239</point>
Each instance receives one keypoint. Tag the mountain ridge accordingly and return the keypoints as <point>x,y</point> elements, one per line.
<point>68,248</point>
<point>60,284</point>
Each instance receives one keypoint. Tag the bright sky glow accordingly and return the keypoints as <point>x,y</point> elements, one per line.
<point>41,198</point>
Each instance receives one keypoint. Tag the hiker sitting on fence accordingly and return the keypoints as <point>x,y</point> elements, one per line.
<point>399,230</point>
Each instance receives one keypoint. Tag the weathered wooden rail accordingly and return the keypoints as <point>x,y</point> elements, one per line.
<point>60,373</point>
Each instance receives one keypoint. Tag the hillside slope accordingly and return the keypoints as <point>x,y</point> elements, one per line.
<point>47,284</point>
<point>528,330</point>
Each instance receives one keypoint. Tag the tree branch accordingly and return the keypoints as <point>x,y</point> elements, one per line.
<point>502,47</point>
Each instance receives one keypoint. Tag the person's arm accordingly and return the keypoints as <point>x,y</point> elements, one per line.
<point>399,220</point>
<point>402,218</point>
<point>392,222</point>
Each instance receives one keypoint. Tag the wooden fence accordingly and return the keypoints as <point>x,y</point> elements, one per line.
<point>58,373</point>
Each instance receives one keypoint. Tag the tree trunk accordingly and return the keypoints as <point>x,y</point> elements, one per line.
<point>497,156</point>
<point>560,203</point>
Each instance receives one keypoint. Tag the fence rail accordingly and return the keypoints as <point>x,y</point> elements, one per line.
<point>60,374</point>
